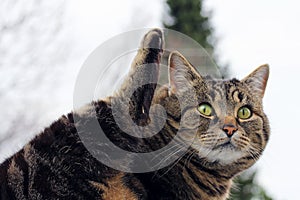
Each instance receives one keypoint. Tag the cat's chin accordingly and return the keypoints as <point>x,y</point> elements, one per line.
<point>224,154</point>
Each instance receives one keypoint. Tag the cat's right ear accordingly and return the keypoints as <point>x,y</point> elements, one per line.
<point>182,75</point>
<point>257,80</point>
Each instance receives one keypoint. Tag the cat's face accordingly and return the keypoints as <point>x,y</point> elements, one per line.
<point>236,122</point>
<point>227,116</point>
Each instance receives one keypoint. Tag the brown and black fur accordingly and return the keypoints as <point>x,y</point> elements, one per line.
<point>57,165</point>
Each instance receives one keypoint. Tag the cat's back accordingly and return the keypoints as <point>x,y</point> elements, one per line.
<point>54,165</point>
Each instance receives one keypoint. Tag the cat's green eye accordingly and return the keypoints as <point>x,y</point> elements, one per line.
<point>205,109</point>
<point>244,113</point>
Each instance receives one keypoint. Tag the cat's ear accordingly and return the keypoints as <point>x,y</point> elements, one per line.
<point>182,75</point>
<point>258,79</point>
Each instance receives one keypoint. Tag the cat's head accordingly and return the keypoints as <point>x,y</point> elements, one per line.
<point>226,115</point>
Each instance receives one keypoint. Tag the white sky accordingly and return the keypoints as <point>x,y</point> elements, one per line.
<point>250,33</point>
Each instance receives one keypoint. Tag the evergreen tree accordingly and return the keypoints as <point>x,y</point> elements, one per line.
<point>189,18</point>
<point>246,188</point>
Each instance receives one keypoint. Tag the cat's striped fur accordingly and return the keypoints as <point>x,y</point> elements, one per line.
<point>56,164</point>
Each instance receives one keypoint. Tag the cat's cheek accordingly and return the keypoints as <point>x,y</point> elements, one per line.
<point>251,127</point>
<point>204,125</point>
<point>253,130</point>
<point>191,119</point>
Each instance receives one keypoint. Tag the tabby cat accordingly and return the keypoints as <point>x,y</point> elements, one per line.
<point>222,122</point>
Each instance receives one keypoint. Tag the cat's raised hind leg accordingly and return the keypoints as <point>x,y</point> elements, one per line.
<point>142,79</point>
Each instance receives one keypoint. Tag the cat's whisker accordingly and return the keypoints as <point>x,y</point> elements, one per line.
<point>169,156</point>
<point>213,143</point>
<point>172,147</point>
<point>186,142</point>
<point>189,158</point>
<point>191,152</point>
<point>254,153</point>
<point>173,165</point>
<point>156,174</point>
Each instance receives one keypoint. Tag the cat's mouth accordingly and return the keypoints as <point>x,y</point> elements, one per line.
<point>225,145</point>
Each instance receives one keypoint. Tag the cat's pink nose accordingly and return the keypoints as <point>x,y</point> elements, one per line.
<point>230,126</point>
<point>229,129</point>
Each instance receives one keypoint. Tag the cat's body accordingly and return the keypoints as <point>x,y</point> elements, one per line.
<point>57,165</point>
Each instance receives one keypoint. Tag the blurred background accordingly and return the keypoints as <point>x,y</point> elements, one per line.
<point>44,43</point>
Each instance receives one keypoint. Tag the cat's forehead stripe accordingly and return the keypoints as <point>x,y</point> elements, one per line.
<point>216,90</point>
<point>229,90</point>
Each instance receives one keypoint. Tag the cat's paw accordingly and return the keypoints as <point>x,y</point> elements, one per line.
<point>151,48</point>
<point>153,39</point>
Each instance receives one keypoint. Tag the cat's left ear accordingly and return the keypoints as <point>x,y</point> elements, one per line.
<point>258,79</point>
<point>182,75</point>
